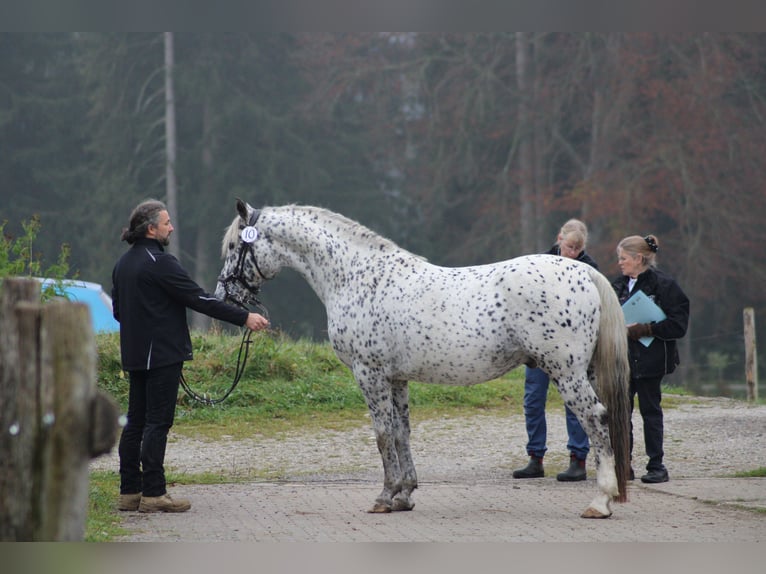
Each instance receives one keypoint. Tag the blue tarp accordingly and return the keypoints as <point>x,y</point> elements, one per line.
<point>92,294</point>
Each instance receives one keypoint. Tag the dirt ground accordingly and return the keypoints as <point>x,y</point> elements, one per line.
<point>323,484</point>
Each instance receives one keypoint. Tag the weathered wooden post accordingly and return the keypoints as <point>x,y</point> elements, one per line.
<point>751,355</point>
<point>53,419</point>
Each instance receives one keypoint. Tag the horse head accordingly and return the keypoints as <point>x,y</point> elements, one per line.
<point>245,251</point>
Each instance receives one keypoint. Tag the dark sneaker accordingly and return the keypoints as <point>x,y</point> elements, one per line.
<point>534,469</point>
<point>655,476</point>
<point>575,472</point>
<point>163,503</point>
<point>129,501</point>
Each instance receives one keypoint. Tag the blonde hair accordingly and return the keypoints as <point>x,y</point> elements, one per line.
<point>646,247</point>
<point>574,231</point>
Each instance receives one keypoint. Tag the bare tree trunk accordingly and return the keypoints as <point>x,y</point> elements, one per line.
<point>170,146</point>
<point>542,241</point>
<point>202,244</point>
<point>526,146</point>
<point>612,92</point>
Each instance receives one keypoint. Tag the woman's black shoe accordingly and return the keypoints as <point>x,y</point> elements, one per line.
<point>655,476</point>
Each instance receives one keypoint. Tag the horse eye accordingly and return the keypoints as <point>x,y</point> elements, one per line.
<point>231,245</point>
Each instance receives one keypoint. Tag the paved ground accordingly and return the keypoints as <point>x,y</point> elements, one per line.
<point>322,485</point>
<point>541,510</point>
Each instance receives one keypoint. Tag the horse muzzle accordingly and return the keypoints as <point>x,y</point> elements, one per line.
<point>234,290</point>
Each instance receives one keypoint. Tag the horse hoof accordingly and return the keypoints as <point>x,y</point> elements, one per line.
<point>591,512</point>
<point>380,508</point>
<point>402,504</point>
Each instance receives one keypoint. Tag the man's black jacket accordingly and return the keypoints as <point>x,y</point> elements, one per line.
<point>150,294</point>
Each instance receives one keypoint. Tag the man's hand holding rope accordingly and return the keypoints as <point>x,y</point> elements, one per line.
<point>256,322</point>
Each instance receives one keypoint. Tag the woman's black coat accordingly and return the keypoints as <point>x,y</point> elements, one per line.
<point>661,356</point>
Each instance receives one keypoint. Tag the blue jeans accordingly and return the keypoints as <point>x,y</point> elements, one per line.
<point>535,396</point>
<point>151,410</point>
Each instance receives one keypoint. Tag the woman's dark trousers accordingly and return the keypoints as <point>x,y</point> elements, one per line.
<point>649,398</point>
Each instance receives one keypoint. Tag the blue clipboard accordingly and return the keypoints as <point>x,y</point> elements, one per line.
<point>641,309</point>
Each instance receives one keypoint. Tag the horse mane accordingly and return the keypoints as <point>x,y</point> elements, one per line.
<point>231,236</point>
<point>354,230</point>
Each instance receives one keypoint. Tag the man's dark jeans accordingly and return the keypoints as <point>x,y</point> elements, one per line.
<point>151,410</point>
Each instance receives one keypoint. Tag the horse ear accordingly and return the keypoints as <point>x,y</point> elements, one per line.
<point>242,209</point>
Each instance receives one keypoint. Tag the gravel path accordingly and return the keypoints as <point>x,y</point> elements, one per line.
<point>704,437</point>
<point>315,487</point>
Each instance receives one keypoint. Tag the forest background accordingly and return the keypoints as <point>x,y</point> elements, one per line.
<point>465,148</point>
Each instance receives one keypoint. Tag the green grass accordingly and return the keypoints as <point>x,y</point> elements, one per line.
<point>103,522</point>
<point>288,384</point>
<point>756,473</point>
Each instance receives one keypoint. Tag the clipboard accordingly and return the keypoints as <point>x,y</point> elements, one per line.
<point>641,309</point>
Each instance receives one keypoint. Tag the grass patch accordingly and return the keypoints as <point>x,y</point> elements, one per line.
<point>103,522</point>
<point>174,478</point>
<point>756,473</point>
<point>290,384</point>
<point>240,423</point>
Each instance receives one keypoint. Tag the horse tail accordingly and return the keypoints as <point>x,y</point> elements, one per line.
<point>612,370</point>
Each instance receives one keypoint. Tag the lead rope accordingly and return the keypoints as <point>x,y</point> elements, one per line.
<point>244,349</point>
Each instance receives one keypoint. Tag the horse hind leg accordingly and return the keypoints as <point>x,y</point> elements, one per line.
<point>401,414</point>
<point>606,477</point>
<point>582,401</point>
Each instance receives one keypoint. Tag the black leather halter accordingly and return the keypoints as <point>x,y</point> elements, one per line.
<point>244,347</point>
<point>237,276</point>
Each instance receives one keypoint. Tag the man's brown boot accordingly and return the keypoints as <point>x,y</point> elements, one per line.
<point>163,503</point>
<point>534,469</point>
<point>129,501</point>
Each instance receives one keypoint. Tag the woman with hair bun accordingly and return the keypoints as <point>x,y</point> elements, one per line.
<point>637,258</point>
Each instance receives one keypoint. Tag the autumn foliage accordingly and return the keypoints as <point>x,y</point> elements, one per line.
<point>497,138</point>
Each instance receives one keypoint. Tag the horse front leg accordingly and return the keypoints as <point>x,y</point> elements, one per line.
<point>400,396</point>
<point>377,394</point>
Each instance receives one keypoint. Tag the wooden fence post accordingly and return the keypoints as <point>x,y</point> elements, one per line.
<point>16,447</point>
<point>751,355</point>
<point>53,419</point>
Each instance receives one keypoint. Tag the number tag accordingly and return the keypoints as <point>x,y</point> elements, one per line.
<point>249,234</point>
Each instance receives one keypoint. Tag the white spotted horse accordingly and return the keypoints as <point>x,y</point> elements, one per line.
<point>393,317</point>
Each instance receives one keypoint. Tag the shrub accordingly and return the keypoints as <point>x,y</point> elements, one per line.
<point>18,258</point>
